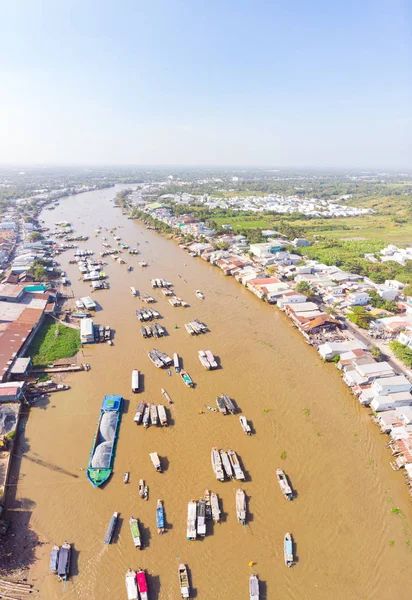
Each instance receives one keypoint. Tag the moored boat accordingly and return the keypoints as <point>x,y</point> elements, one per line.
<point>191,533</point>
<point>162,415</point>
<point>284,484</point>
<point>288,550</point>
<point>208,505</point>
<point>245,425</point>
<point>135,381</point>
<point>241,506</point>
<point>54,559</point>
<point>203,360</point>
<point>142,585</point>
<point>126,477</point>
<point>146,415</point>
<point>63,564</point>
<point>176,362</point>
<point>131,585</point>
<point>143,490</point>
<point>156,461</point>
<point>229,404</point>
<point>235,465</point>
<point>217,464</point>
<point>221,405</point>
<point>214,503</point>
<point>153,414</point>
<point>139,412</point>
<point>201,517</point>
<point>226,464</point>
<point>211,359</point>
<point>110,528</point>
<point>253,587</point>
<point>103,450</point>
<point>160,517</point>
<point>135,531</point>
<point>183,581</point>
<point>186,378</point>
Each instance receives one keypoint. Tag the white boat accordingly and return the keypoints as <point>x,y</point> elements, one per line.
<point>126,477</point>
<point>191,521</point>
<point>241,506</point>
<point>211,359</point>
<point>146,416</point>
<point>156,461</point>
<point>284,484</point>
<point>162,415</point>
<point>139,413</point>
<point>183,581</point>
<point>226,464</point>
<point>288,550</point>
<point>253,587</point>
<point>245,425</point>
<point>214,502</point>
<point>133,290</point>
<point>153,414</point>
<point>131,585</point>
<point>200,295</point>
<point>135,381</point>
<point>235,465</point>
<point>217,464</point>
<point>201,517</point>
<point>143,490</point>
<point>203,360</point>
<point>176,362</point>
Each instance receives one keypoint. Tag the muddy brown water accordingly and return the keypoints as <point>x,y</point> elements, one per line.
<point>349,542</point>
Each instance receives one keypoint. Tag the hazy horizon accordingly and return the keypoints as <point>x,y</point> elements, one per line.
<point>216,85</point>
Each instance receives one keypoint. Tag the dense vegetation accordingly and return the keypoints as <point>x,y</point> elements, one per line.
<point>359,316</point>
<point>53,342</point>
<point>402,352</point>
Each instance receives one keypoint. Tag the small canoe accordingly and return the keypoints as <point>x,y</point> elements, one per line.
<point>143,490</point>
<point>217,464</point>
<point>186,379</point>
<point>245,425</point>
<point>200,295</point>
<point>241,506</point>
<point>183,581</point>
<point>156,461</point>
<point>135,531</point>
<point>288,550</point>
<point>214,502</point>
<point>110,528</point>
<point>284,484</point>
<point>166,395</point>
<point>160,517</point>
<point>234,461</point>
<point>54,559</point>
<point>126,477</point>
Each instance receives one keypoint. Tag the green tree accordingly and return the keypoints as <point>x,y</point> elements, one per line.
<point>407,290</point>
<point>402,352</point>
<point>304,288</point>
<point>35,236</point>
<point>360,317</point>
<point>376,352</point>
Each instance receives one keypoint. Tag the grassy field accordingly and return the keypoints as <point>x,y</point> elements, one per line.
<point>52,343</point>
<point>244,222</point>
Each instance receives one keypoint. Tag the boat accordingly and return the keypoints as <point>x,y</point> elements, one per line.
<point>103,450</point>
<point>160,517</point>
<point>126,477</point>
<point>176,362</point>
<point>153,414</point>
<point>191,533</point>
<point>183,581</point>
<point>186,378</point>
<point>110,528</point>
<point>139,413</point>
<point>235,465</point>
<point>156,461</point>
<point>210,408</point>
<point>54,559</point>
<point>162,415</point>
<point>146,416</point>
<point>211,359</point>
<point>133,290</point>
<point>217,464</point>
<point>143,490</point>
<point>131,585</point>
<point>201,517</point>
<point>208,505</point>
<point>135,381</point>
<point>284,484</point>
<point>241,506</point>
<point>166,395</point>
<point>142,585</point>
<point>245,425</point>
<point>221,405</point>
<point>214,503</point>
<point>253,587</point>
<point>166,360</point>
<point>143,331</point>
<point>135,531</point>
<point>288,550</point>
<point>63,564</point>
<point>229,404</point>
<point>226,464</point>
<point>189,329</point>
<point>200,295</point>
<point>155,359</point>
<point>203,360</point>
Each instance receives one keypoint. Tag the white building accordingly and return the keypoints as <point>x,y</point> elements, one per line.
<point>358,298</point>
<point>391,401</point>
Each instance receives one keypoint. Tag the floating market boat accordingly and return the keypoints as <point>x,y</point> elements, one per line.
<point>245,425</point>
<point>217,464</point>
<point>186,378</point>
<point>229,404</point>
<point>126,477</point>
<point>288,550</point>
<point>135,531</point>
<point>146,416</point>
<point>284,484</point>
<point>160,517</point>
<point>131,585</point>
<point>176,362</point>
<point>201,517</point>
<point>110,528</point>
<point>221,405</point>
<point>211,359</point>
<point>191,521</point>
<point>235,465</point>
<point>226,464</point>
<point>103,450</point>
<point>241,506</point>
<point>214,503</point>
<point>54,559</point>
<point>155,360</point>
<point>135,381</point>
<point>142,585</point>
<point>156,461</point>
<point>139,413</point>
<point>166,395</point>
<point>203,360</point>
<point>200,295</point>
<point>63,564</point>
<point>153,414</point>
<point>162,415</point>
<point>253,587</point>
<point>133,290</point>
<point>183,581</point>
<point>143,490</point>
<point>208,505</point>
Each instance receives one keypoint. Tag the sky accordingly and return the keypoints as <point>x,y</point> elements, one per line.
<point>206,82</point>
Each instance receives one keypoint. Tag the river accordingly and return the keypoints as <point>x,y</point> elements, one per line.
<point>349,542</point>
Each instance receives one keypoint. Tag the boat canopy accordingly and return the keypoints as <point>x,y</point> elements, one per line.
<point>141,581</point>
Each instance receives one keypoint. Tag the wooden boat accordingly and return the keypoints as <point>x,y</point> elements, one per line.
<point>191,533</point>
<point>183,581</point>
<point>211,359</point>
<point>135,381</point>
<point>54,559</point>
<point>226,464</point>
<point>253,587</point>
<point>63,564</point>
<point>229,404</point>
<point>203,360</point>
<point>153,414</point>
<point>135,531</point>
<point>160,517</point>
<point>245,425</point>
<point>208,505</point>
<point>156,461</point>
<point>133,290</point>
<point>284,484</point>
<point>139,413</point>
<point>217,464</point>
<point>143,490</point>
<point>155,359</point>
<point>103,450</point>
<point>201,517</point>
<point>189,329</point>
<point>186,379</point>
<point>200,295</point>
<point>235,465</point>
<point>110,528</point>
<point>126,477</point>
<point>131,585</point>
<point>162,415</point>
<point>221,405</point>
<point>241,506</point>
<point>214,503</point>
<point>146,416</point>
<point>166,395</point>
<point>176,362</point>
<point>142,585</point>
<point>210,408</point>
<point>166,360</point>
<point>288,550</point>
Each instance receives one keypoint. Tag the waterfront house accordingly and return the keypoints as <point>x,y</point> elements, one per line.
<point>391,401</point>
<point>362,373</point>
<point>383,386</point>
<point>290,298</point>
<point>86,331</point>
<point>331,349</point>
